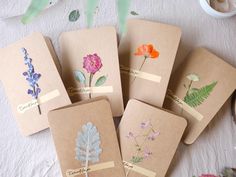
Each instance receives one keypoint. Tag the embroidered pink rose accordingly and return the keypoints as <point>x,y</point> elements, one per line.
<point>92,63</point>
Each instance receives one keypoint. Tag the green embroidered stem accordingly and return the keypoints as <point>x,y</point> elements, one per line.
<point>145,58</point>
<point>90,84</point>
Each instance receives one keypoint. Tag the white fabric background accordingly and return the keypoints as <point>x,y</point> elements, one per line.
<point>216,148</point>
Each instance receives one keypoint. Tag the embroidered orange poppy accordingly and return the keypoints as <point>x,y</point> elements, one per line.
<point>148,51</point>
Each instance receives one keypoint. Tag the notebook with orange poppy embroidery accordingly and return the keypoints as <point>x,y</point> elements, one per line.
<point>147,52</point>
<point>90,66</point>
<point>198,89</point>
<point>149,138</point>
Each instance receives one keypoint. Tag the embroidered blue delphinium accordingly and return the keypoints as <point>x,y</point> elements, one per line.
<point>32,77</point>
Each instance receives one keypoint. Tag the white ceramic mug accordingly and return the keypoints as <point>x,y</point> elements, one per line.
<point>211,11</point>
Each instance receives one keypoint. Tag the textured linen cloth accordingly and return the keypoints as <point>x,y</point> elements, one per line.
<point>215,149</point>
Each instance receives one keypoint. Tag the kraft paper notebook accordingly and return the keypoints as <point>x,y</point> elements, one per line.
<point>198,89</point>
<point>31,81</point>
<point>90,66</point>
<point>85,139</point>
<point>147,52</point>
<point>148,138</point>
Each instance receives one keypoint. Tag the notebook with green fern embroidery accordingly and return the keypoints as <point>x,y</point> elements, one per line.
<point>198,89</point>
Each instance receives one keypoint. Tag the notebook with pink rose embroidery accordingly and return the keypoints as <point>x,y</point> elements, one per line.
<point>90,66</point>
<point>147,52</point>
<point>148,138</point>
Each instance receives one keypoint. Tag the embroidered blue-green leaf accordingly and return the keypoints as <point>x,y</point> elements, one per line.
<point>74,15</point>
<point>80,77</point>
<point>123,11</point>
<point>88,145</point>
<point>90,10</point>
<point>34,10</point>
<point>101,80</point>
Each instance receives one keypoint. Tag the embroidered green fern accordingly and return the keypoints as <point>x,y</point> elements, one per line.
<point>198,96</point>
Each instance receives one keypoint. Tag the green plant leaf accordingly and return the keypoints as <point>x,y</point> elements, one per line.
<point>36,6</point>
<point>91,7</point>
<point>196,98</point>
<point>101,80</point>
<point>229,172</point>
<point>192,90</point>
<point>136,159</point>
<point>123,11</point>
<point>74,15</point>
<point>134,13</point>
<point>80,77</point>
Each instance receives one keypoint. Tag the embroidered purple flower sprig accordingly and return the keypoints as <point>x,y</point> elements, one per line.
<point>32,77</point>
<point>148,133</point>
<point>140,140</point>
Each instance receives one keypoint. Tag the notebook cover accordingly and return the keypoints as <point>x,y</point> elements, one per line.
<point>70,130</point>
<point>147,52</point>
<point>198,89</point>
<point>31,82</point>
<point>149,138</point>
<point>90,66</point>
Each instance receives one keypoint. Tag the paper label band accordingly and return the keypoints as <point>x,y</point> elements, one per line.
<point>193,112</point>
<point>86,90</point>
<point>97,167</point>
<point>140,74</point>
<point>139,170</point>
<point>33,103</point>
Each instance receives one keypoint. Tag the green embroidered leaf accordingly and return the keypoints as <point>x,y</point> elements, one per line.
<point>74,15</point>
<point>101,80</point>
<point>80,77</point>
<point>123,11</point>
<point>34,10</point>
<point>136,159</point>
<point>91,7</point>
<point>196,98</point>
<point>192,90</point>
<point>134,13</point>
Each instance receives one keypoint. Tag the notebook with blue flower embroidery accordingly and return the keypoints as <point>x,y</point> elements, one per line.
<point>29,73</point>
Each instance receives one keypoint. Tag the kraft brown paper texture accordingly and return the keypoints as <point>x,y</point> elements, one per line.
<point>53,53</point>
<point>165,39</point>
<point>162,148</point>
<point>16,86</point>
<point>209,69</point>
<point>65,124</point>
<point>75,46</point>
